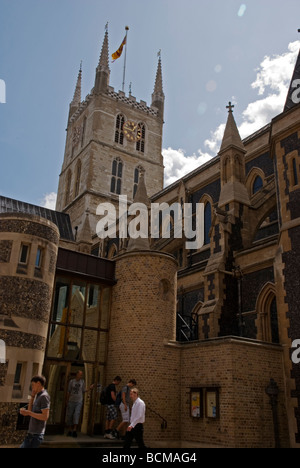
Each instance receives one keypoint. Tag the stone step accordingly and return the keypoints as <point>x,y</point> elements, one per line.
<point>81,441</point>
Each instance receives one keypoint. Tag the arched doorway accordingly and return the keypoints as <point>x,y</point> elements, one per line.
<point>267,317</point>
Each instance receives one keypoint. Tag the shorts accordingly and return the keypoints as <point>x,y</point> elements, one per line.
<point>111,412</point>
<point>73,412</point>
<point>125,414</point>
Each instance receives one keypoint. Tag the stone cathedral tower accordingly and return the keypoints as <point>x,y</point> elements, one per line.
<point>110,138</point>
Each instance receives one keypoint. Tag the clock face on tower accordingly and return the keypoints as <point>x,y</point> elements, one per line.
<point>132,131</point>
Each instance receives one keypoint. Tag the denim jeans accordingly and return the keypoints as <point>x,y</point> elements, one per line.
<point>32,441</point>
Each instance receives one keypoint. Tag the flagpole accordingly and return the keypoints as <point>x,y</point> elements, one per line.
<point>123,84</point>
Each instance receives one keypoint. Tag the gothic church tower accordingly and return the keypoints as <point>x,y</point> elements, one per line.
<point>110,138</point>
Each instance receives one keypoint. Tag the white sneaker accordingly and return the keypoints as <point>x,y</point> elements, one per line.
<point>108,436</point>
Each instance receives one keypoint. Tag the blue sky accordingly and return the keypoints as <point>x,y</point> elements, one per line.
<point>212,51</point>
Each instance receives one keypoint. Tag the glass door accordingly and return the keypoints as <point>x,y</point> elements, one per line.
<point>57,375</point>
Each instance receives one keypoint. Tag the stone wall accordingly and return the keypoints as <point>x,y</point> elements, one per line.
<point>28,251</point>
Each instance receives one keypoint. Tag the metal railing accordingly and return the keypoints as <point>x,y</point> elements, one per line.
<point>187,327</point>
<point>164,423</point>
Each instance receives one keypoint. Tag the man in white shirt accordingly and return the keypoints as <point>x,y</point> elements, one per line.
<point>135,429</point>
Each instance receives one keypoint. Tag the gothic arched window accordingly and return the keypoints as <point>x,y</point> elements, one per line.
<point>77,180</point>
<point>226,170</point>
<point>274,321</point>
<point>119,135</point>
<point>136,179</point>
<point>140,145</point>
<point>83,131</point>
<point>68,187</point>
<point>257,184</point>
<point>267,317</point>
<point>116,178</point>
<point>207,223</point>
<point>295,179</point>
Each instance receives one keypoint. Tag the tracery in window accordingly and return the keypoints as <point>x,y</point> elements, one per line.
<point>77,180</point>
<point>140,145</point>
<point>116,179</point>
<point>119,135</point>
<point>136,178</point>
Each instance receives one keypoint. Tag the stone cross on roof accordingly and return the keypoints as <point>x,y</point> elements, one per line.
<point>230,107</point>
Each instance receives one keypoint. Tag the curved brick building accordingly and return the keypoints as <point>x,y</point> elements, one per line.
<point>28,253</point>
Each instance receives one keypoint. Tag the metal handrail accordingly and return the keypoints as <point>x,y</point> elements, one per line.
<point>164,423</point>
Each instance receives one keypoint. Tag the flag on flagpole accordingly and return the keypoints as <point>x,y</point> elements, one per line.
<point>118,53</point>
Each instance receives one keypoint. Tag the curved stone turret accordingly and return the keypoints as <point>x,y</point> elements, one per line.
<point>28,253</point>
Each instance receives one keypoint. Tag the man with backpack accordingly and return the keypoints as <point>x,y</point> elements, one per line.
<point>123,399</point>
<point>112,410</point>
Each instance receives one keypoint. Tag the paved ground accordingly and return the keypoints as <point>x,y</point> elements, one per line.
<point>85,441</point>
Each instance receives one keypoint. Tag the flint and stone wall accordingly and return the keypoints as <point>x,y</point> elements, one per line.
<point>26,293</point>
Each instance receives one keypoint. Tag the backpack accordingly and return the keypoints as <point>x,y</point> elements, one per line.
<point>103,396</point>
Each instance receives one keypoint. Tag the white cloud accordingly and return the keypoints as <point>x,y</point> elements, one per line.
<point>49,200</point>
<point>276,71</point>
<point>215,138</point>
<point>177,163</point>
<point>272,81</point>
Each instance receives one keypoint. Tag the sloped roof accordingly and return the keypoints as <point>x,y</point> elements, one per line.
<point>62,220</point>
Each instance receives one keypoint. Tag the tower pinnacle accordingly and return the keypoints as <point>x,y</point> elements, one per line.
<point>103,60</point>
<point>232,162</point>
<point>158,97</point>
<point>77,93</point>
<point>231,135</point>
<point>102,70</point>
